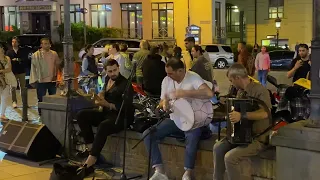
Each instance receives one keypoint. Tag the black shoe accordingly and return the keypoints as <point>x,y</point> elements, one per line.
<point>85,171</point>
<point>83,154</point>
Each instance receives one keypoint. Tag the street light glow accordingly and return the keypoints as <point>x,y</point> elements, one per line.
<point>278,22</point>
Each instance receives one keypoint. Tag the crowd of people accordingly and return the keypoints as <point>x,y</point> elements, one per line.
<point>180,74</point>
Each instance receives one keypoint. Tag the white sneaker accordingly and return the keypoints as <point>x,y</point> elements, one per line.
<point>14,105</point>
<point>159,176</point>
<point>186,176</point>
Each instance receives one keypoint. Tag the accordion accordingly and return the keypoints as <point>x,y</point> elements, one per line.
<point>240,132</point>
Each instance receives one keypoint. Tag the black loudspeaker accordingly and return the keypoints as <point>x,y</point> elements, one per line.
<point>32,141</point>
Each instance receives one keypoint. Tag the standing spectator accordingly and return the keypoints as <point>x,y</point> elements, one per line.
<point>114,53</point>
<point>18,63</point>
<point>177,52</point>
<point>202,66</point>
<point>7,81</point>
<point>126,55</point>
<point>90,68</point>
<point>246,59</point>
<point>139,57</point>
<point>255,50</point>
<point>188,59</point>
<point>301,65</point>
<point>262,65</point>
<point>44,69</point>
<point>153,69</point>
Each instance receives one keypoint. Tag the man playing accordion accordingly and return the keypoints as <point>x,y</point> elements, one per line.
<point>177,84</point>
<point>227,156</point>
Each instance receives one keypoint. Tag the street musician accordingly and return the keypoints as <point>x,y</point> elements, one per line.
<point>227,156</point>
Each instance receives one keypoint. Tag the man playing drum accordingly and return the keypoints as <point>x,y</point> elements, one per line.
<point>226,156</point>
<point>177,84</point>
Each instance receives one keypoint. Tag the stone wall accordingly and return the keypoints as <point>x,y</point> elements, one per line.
<point>263,166</point>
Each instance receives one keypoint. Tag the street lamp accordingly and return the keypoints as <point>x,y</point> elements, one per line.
<point>278,25</point>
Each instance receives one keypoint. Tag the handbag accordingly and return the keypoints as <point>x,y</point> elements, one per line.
<point>9,77</point>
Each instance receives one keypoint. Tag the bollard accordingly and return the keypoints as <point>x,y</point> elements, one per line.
<point>24,97</point>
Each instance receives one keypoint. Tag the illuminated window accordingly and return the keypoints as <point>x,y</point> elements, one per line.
<point>100,15</point>
<point>162,20</point>
<point>131,15</point>
<point>276,8</point>
<point>75,15</point>
<point>11,18</point>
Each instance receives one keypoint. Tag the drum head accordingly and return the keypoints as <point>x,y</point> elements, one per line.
<point>183,115</point>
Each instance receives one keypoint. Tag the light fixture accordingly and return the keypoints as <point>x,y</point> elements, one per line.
<point>278,23</point>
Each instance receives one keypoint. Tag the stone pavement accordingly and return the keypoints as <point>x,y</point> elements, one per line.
<point>18,169</point>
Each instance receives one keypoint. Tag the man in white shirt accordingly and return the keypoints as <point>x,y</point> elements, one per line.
<point>177,84</point>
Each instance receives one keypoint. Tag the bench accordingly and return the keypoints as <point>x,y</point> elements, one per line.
<point>261,167</point>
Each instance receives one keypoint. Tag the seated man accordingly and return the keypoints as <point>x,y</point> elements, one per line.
<point>178,84</point>
<point>294,105</point>
<point>110,99</point>
<point>226,156</point>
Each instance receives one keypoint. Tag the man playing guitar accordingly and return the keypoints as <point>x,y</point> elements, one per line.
<point>227,156</point>
<point>177,84</point>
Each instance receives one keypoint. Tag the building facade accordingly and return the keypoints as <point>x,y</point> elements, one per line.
<point>142,19</point>
<point>258,19</point>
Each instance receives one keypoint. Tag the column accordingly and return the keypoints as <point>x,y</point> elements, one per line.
<point>314,120</point>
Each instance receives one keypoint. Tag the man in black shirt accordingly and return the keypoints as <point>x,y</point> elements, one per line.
<point>301,65</point>
<point>153,70</point>
<point>18,61</point>
<point>110,99</point>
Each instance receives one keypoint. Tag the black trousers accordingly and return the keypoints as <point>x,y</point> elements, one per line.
<point>106,126</point>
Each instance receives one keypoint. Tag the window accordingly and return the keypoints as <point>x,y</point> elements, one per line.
<point>75,15</point>
<point>227,49</point>
<point>276,8</point>
<point>131,15</point>
<point>233,18</point>
<point>11,18</point>
<point>275,55</point>
<point>162,20</point>
<point>212,49</point>
<point>100,15</point>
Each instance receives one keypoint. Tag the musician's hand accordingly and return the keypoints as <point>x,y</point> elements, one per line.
<point>177,94</point>
<point>165,105</point>
<point>101,102</point>
<point>235,116</point>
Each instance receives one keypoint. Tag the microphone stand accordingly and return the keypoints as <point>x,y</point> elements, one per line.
<point>151,131</point>
<point>125,98</point>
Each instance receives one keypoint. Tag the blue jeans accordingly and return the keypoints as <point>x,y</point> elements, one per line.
<point>262,77</point>
<point>42,89</point>
<point>166,128</point>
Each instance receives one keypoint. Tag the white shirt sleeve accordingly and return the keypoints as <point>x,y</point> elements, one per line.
<point>197,81</point>
<point>164,88</point>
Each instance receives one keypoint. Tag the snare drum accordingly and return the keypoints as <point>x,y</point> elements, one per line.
<point>188,116</point>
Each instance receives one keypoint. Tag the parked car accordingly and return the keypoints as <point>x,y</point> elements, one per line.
<point>221,56</point>
<point>281,59</point>
<point>133,45</point>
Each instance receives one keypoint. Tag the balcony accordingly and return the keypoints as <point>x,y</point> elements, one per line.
<point>220,35</point>
<point>163,33</point>
<point>132,33</point>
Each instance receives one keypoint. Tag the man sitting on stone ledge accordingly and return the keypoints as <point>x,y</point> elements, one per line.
<point>177,84</point>
<point>110,99</point>
<point>226,156</point>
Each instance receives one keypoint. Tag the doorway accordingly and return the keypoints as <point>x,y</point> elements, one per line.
<point>41,23</point>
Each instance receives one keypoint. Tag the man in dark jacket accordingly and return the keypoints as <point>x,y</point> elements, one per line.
<point>153,70</point>
<point>18,61</point>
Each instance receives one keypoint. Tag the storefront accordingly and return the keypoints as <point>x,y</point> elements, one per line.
<point>139,19</point>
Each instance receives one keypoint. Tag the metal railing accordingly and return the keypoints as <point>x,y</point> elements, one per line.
<point>162,33</point>
<point>132,33</point>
